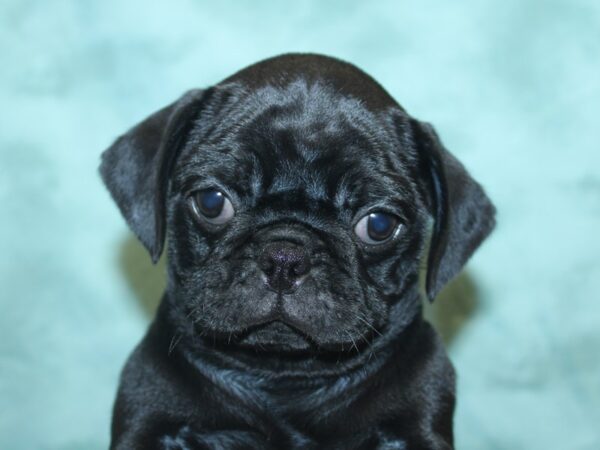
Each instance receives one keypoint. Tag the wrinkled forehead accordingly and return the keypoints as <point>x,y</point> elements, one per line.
<point>301,138</point>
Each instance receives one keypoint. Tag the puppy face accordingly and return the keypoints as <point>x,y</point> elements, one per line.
<point>298,199</point>
<point>302,177</point>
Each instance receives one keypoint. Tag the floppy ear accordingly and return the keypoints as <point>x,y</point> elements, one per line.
<point>462,213</point>
<point>136,168</point>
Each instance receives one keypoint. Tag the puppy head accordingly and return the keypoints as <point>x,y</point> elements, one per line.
<point>298,199</point>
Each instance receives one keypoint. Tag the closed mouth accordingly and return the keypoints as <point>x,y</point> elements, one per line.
<point>277,336</point>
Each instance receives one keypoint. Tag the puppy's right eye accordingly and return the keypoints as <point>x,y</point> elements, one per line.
<point>213,206</point>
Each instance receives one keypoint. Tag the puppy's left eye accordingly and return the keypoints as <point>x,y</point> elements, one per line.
<point>377,227</point>
<point>212,206</point>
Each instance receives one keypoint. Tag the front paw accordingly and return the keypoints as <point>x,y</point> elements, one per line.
<point>188,439</point>
<point>183,439</point>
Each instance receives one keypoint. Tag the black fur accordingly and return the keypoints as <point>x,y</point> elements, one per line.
<point>303,146</point>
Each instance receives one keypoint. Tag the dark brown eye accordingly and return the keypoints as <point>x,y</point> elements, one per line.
<point>213,206</point>
<point>377,227</point>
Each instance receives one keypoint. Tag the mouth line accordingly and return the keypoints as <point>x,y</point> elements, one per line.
<point>266,323</point>
<point>297,342</point>
<point>277,333</point>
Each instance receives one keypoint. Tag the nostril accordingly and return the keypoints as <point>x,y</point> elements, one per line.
<point>266,263</point>
<point>300,268</point>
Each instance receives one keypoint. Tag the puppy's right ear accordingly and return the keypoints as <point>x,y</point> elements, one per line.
<point>136,168</point>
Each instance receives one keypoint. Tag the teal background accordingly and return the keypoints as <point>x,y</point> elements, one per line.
<point>513,88</point>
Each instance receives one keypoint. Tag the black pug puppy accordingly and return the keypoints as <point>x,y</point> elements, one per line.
<point>300,202</point>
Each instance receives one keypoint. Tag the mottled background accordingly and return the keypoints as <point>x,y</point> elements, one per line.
<point>513,87</point>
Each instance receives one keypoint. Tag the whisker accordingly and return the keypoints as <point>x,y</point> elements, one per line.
<point>363,320</point>
<point>174,341</point>
<point>353,341</point>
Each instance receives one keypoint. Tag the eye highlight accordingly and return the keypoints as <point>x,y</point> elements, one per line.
<point>377,227</point>
<point>212,205</point>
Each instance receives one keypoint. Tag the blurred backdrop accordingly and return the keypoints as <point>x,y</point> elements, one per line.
<point>513,88</point>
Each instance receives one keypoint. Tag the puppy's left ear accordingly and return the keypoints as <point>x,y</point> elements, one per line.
<point>136,168</point>
<point>463,215</point>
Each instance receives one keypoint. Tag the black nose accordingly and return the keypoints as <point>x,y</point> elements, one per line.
<point>284,264</point>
